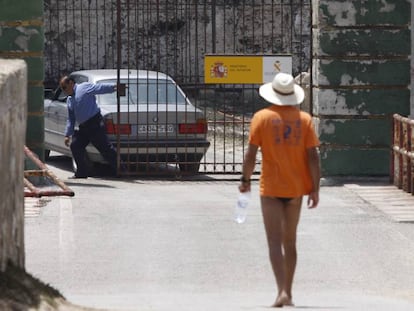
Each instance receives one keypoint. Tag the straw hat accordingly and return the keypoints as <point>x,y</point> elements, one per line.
<point>282,91</point>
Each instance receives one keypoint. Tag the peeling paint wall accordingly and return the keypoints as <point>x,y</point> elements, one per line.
<point>13,110</point>
<point>22,37</point>
<point>412,64</point>
<point>361,76</point>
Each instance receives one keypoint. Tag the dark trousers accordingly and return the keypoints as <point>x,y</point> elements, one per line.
<point>92,131</point>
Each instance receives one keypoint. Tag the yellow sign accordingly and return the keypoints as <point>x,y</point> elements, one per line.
<point>241,69</point>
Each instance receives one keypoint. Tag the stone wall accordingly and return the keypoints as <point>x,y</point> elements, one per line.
<point>13,114</point>
<point>171,36</point>
<point>361,76</point>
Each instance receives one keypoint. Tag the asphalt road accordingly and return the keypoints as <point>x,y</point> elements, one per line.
<point>166,244</point>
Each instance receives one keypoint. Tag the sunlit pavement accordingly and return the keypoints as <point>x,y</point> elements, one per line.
<point>154,244</point>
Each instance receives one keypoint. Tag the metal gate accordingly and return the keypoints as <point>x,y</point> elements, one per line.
<point>173,37</point>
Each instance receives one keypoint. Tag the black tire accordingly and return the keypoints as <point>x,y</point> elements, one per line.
<point>89,165</point>
<point>191,164</point>
<point>47,154</point>
<point>74,166</point>
<point>192,168</point>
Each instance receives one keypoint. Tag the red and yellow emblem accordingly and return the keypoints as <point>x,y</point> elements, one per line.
<point>244,69</point>
<point>218,70</point>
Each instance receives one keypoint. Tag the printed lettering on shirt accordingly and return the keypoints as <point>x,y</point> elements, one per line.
<point>287,132</point>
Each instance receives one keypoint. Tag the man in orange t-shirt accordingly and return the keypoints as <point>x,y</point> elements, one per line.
<point>290,170</point>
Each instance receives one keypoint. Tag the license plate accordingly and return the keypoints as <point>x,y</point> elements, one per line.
<point>155,128</point>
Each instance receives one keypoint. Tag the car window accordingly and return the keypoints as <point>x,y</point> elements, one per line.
<point>79,79</point>
<point>61,96</point>
<point>146,91</point>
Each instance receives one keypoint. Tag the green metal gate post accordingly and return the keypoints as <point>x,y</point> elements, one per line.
<point>22,37</point>
<point>361,76</point>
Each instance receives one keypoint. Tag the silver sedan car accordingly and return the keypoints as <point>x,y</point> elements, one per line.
<point>158,123</point>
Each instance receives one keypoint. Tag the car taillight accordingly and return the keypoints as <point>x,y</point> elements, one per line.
<point>114,129</point>
<point>200,127</point>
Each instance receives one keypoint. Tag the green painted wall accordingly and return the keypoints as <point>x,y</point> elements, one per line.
<point>22,37</point>
<point>361,76</point>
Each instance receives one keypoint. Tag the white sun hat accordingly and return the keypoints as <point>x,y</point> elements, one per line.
<point>282,91</point>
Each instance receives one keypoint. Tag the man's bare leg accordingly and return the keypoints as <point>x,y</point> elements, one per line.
<point>292,215</point>
<point>272,210</point>
<point>281,220</point>
<point>291,220</point>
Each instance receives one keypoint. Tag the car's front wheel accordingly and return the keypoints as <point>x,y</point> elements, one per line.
<point>89,165</point>
<point>47,154</point>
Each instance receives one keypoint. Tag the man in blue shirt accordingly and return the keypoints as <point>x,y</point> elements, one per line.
<point>82,109</point>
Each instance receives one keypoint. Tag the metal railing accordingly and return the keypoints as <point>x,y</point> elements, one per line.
<point>42,182</point>
<point>402,160</point>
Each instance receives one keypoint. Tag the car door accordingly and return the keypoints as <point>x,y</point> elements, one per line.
<point>55,115</point>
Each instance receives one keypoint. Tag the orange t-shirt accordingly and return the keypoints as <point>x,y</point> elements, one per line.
<point>283,134</point>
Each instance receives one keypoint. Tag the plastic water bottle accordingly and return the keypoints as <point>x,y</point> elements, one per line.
<point>241,207</point>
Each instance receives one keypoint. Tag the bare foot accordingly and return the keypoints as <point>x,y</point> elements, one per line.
<point>283,300</point>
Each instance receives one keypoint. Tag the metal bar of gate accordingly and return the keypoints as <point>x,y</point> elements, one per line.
<point>173,37</point>
<point>118,81</point>
<point>403,153</point>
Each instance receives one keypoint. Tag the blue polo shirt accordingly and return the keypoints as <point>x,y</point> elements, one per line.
<point>82,104</point>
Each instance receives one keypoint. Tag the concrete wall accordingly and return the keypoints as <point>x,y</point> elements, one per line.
<point>361,76</point>
<point>13,113</point>
<point>22,36</point>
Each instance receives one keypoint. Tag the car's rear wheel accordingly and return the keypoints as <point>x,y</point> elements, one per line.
<point>189,168</point>
<point>190,164</point>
